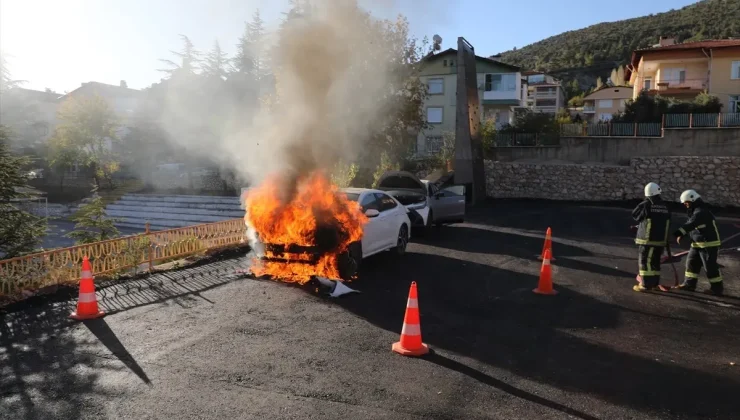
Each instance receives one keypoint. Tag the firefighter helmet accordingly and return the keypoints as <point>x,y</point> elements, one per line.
<point>652,189</point>
<point>689,196</point>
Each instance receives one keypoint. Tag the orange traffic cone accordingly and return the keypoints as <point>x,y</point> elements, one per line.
<point>410,344</point>
<point>547,245</point>
<point>87,303</point>
<point>545,285</point>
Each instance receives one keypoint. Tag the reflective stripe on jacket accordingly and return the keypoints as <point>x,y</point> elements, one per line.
<point>701,227</point>
<point>654,222</point>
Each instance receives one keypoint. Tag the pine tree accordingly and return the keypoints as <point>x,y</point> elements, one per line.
<point>216,62</point>
<point>92,224</point>
<point>20,231</point>
<point>189,59</point>
<point>614,78</point>
<point>250,58</point>
<point>620,76</point>
<point>599,83</point>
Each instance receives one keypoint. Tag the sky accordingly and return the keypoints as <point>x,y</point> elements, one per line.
<point>59,44</point>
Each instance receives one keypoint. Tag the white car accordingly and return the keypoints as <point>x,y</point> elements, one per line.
<point>427,203</point>
<point>388,228</point>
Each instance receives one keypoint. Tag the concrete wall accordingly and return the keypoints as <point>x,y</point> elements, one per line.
<point>619,150</point>
<point>717,179</point>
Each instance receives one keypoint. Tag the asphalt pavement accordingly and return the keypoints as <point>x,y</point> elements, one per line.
<point>202,342</point>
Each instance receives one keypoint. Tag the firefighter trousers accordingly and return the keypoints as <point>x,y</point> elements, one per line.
<point>702,257</point>
<point>649,263</point>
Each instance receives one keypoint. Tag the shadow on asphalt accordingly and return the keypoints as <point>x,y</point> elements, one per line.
<point>481,377</point>
<point>479,240</point>
<point>100,329</point>
<point>491,315</point>
<point>40,361</point>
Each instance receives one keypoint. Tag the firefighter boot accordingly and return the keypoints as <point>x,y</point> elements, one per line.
<point>716,289</point>
<point>689,285</point>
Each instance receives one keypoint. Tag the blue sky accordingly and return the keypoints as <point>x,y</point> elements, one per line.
<point>62,43</point>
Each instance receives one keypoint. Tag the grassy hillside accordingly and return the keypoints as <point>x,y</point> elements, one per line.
<point>587,53</point>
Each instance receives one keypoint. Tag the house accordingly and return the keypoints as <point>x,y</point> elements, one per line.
<point>684,70</point>
<point>544,92</point>
<point>122,99</point>
<point>30,114</point>
<point>500,90</point>
<point>602,104</point>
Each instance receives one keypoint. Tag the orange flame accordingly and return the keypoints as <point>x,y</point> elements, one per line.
<point>318,205</point>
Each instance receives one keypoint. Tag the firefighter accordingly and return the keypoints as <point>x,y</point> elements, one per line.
<point>702,229</point>
<point>654,220</point>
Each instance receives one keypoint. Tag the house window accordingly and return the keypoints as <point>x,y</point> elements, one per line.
<point>434,115</point>
<point>735,103</point>
<point>500,82</point>
<point>647,84</point>
<point>606,103</point>
<point>673,76</point>
<point>546,102</point>
<point>434,144</point>
<point>735,70</point>
<point>436,86</point>
<point>605,117</point>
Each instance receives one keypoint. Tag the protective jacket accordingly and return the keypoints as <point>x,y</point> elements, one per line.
<point>701,226</point>
<point>654,222</point>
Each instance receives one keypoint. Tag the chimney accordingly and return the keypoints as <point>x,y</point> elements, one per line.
<point>123,84</point>
<point>664,42</point>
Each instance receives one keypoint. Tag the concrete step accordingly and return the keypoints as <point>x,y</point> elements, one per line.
<point>182,199</point>
<point>163,204</point>
<point>174,212</point>
<point>155,216</point>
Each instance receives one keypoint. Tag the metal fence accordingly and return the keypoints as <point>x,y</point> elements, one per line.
<point>617,129</point>
<point>721,120</point>
<point>62,266</point>
<point>608,129</point>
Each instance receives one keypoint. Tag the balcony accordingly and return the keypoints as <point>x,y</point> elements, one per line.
<point>678,87</point>
<point>589,109</point>
<point>546,109</point>
<point>545,94</point>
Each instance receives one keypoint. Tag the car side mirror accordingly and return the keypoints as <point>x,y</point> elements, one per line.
<point>372,213</point>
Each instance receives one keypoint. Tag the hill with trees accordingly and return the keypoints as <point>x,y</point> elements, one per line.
<point>592,52</point>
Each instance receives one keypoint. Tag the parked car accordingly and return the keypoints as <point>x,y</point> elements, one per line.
<point>388,228</point>
<point>428,204</point>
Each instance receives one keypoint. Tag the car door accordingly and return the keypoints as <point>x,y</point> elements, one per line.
<point>438,208</point>
<point>389,219</point>
<point>373,235</point>
<point>452,200</point>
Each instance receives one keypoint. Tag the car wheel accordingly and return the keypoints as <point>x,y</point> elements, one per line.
<point>349,261</point>
<point>402,241</point>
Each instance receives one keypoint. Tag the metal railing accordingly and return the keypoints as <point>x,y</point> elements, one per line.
<point>609,129</point>
<point>688,84</point>
<point>526,139</point>
<point>702,120</point>
<point>62,266</point>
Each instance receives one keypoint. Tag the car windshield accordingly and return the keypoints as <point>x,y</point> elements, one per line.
<point>352,196</point>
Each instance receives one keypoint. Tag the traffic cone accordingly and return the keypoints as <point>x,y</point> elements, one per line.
<point>545,285</point>
<point>547,245</point>
<point>87,303</point>
<point>410,344</point>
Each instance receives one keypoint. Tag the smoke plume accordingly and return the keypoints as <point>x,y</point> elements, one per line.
<point>333,68</point>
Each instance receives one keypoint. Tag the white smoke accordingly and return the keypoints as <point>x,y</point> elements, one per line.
<point>333,68</point>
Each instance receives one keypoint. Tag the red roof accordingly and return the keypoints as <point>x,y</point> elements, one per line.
<point>710,43</point>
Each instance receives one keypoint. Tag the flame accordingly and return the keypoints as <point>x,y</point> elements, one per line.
<point>318,215</point>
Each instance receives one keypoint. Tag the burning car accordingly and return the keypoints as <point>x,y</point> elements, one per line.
<point>427,203</point>
<point>322,231</point>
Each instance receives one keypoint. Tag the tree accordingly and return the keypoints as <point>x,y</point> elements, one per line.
<point>91,223</point>
<point>189,59</point>
<point>614,78</point>
<point>250,57</point>
<point>20,231</point>
<point>599,83</point>
<point>215,63</point>
<point>89,127</point>
<point>620,76</point>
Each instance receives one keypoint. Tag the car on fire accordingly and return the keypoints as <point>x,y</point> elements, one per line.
<point>388,228</point>
<point>428,203</point>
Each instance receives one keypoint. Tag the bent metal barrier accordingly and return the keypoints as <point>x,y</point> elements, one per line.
<point>62,266</point>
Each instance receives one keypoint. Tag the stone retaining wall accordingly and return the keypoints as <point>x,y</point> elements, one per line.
<point>717,179</point>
